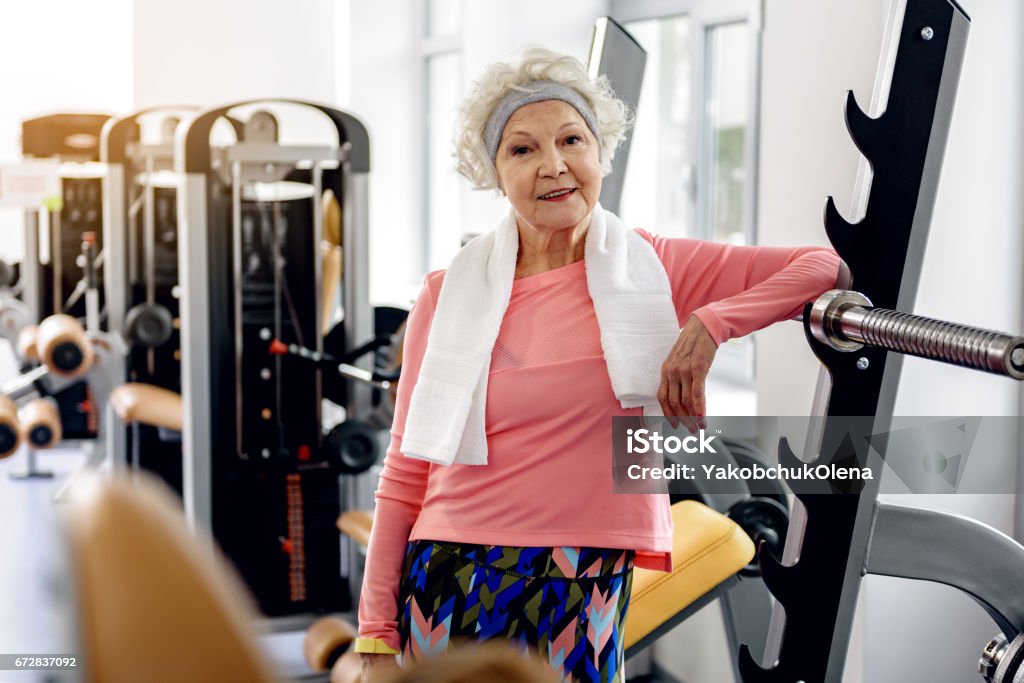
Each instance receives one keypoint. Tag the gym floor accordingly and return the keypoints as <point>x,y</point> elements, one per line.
<point>34,597</point>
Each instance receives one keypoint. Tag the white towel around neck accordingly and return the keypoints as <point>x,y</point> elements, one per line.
<point>632,301</point>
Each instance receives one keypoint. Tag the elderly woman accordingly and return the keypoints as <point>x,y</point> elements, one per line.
<point>495,515</point>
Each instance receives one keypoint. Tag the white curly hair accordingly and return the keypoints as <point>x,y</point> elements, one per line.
<point>534,64</point>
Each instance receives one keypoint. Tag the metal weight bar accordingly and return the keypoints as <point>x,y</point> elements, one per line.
<point>346,370</point>
<point>846,321</point>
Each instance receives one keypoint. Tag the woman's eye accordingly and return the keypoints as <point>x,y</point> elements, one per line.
<point>517,151</point>
<point>573,139</point>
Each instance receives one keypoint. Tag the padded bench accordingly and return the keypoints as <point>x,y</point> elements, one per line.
<point>148,404</point>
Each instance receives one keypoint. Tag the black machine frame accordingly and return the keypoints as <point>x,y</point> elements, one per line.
<point>271,507</point>
<point>817,580</point>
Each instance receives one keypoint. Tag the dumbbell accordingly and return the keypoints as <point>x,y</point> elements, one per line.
<point>352,446</point>
<point>327,647</point>
<point>40,423</point>
<point>61,345</point>
<point>764,520</point>
<point>10,434</point>
<point>25,344</point>
<point>148,325</point>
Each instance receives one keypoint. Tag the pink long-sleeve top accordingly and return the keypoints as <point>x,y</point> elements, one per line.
<point>548,481</point>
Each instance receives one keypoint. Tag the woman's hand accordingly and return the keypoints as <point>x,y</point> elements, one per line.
<point>683,373</point>
<point>376,666</point>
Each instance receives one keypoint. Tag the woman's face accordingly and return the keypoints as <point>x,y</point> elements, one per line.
<point>549,166</point>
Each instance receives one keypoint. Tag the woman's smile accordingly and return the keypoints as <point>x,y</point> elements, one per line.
<point>558,195</point>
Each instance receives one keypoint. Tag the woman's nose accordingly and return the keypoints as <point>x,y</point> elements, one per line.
<point>552,163</point>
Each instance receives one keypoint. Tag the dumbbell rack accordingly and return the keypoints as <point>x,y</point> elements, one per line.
<point>817,580</point>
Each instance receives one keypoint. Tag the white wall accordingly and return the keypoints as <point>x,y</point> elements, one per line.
<point>972,273</point>
<point>813,52</point>
<point>204,53</point>
<point>972,268</point>
<point>58,56</point>
<point>383,88</point>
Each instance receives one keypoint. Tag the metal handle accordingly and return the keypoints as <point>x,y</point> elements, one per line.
<point>846,321</point>
<point>24,385</point>
<point>365,376</point>
<point>278,348</point>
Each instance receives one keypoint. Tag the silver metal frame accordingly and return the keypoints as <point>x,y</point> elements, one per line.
<point>356,295</point>
<point>193,266</point>
<point>617,55</point>
<point>115,252</point>
<point>943,547</point>
<point>31,287</point>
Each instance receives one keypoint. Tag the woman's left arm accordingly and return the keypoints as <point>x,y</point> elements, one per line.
<point>724,291</point>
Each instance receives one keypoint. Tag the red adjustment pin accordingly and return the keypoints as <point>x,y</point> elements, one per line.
<point>278,348</point>
<point>286,545</point>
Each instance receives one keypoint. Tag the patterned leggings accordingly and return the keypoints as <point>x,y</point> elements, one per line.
<point>568,604</point>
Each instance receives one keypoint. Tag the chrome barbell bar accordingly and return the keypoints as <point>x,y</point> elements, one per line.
<point>846,321</point>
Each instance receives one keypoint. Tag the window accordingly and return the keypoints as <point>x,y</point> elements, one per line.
<point>726,113</point>
<point>692,164</point>
<point>658,186</point>
<point>442,76</point>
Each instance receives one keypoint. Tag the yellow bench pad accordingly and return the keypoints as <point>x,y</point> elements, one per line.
<point>707,549</point>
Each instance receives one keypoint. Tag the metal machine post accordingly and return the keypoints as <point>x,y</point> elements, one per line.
<point>818,578</point>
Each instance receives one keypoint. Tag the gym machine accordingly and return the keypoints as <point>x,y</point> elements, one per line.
<point>141,284</point>
<point>49,276</point>
<point>258,470</point>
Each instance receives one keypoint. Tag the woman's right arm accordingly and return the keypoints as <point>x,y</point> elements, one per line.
<point>399,497</point>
